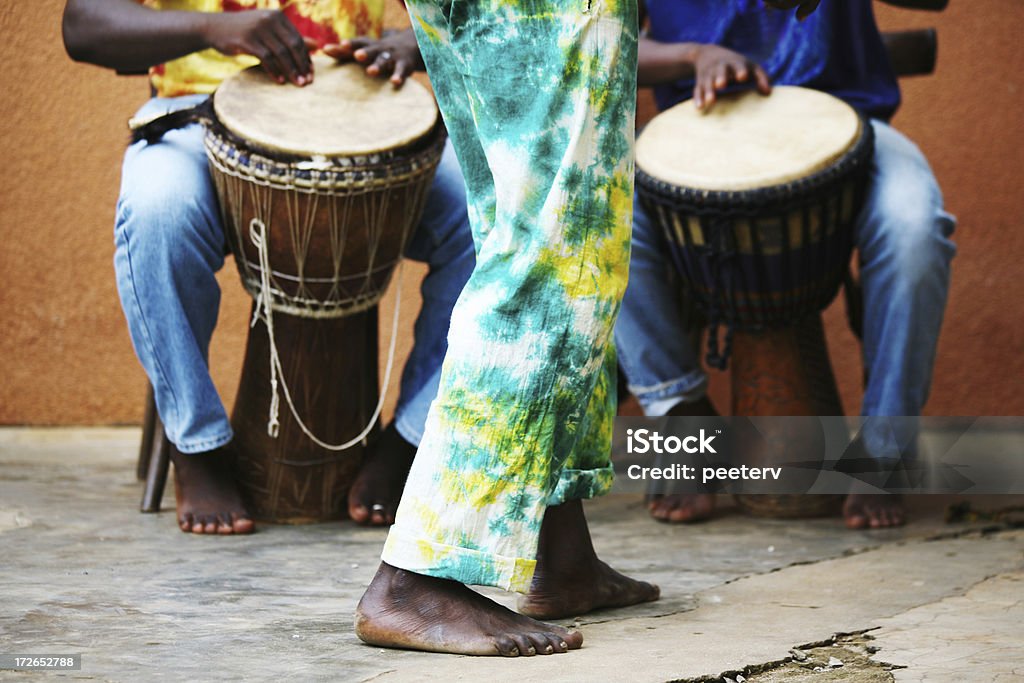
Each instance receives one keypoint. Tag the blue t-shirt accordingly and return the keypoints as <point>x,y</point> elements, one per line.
<point>838,49</point>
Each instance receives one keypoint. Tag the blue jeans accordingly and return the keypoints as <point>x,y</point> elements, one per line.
<point>170,242</point>
<point>902,235</point>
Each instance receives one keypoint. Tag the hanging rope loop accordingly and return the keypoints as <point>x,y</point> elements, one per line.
<point>264,311</point>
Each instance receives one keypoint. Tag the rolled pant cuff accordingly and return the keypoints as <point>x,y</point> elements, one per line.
<point>411,430</point>
<point>582,484</point>
<point>690,387</point>
<point>193,446</point>
<point>465,565</point>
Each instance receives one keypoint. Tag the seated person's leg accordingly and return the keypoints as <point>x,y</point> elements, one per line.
<point>905,254</point>
<point>662,367</point>
<point>169,243</point>
<point>444,241</point>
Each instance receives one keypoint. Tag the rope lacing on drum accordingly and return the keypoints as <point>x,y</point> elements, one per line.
<point>264,311</point>
<point>720,252</point>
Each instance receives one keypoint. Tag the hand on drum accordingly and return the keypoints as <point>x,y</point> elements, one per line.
<point>804,7</point>
<point>395,56</point>
<point>267,35</point>
<point>717,68</point>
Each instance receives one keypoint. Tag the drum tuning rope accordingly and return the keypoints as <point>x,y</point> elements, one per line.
<point>264,310</point>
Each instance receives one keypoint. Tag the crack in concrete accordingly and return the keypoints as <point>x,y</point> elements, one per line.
<point>859,638</point>
<point>848,642</point>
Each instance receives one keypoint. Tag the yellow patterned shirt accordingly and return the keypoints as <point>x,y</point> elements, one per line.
<point>326,21</point>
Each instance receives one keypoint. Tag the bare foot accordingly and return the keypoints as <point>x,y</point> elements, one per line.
<point>679,508</point>
<point>874,511</point>
<point>417,612</point>
<point>207,495</point>
<point>570,579</point>
<point>373,498</point>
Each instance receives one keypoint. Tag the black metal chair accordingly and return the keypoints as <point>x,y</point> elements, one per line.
<point>154,457</point>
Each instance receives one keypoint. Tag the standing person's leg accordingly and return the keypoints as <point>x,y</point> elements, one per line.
<point>538,98</point>
<point>905,254</point>
<point>169,243</point>
<point>570,579</point>
<point>657,355</point>
<point>443,240</point>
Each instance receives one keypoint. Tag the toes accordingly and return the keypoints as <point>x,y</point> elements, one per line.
<point>573,640</point>
<point>556,643</point>
<point>681,514</point>
<point>185,522</point>
<point>856,520</point>
<point>242,524</point>
<point>540,643</point>
<point>359,513</point>
<point>523,644</point>
<point>659,508</point>
<point>506,646</point>
<point>210,526</point>
<point>224,526</point>
<point>358,507</point>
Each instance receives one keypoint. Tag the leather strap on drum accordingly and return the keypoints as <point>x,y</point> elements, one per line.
<point>153,129</point>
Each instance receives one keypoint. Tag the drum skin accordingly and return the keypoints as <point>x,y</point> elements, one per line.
<point>762,256</point>
<point>331,229</point>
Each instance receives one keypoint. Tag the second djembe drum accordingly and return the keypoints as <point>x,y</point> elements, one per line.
<point>757,200</point>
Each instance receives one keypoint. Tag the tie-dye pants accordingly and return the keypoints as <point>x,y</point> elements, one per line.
<point>539,99</point>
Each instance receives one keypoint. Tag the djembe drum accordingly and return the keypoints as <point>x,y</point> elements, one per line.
<point>757,200</point>
<point>319,190</point>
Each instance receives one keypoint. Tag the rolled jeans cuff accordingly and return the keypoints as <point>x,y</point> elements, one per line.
<point>690,387</point>
<point>582,484</point>
<point>409,428</point>
<point>465,565</point>
<point>193,446</point>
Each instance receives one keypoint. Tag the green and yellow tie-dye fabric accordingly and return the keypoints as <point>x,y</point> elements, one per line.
<point>538,97</point>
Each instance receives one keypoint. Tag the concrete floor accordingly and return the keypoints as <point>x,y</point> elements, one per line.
<point>744,599</point>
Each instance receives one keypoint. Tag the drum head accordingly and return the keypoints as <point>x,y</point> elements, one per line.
<point>343,112</point>
<point>748,140</point>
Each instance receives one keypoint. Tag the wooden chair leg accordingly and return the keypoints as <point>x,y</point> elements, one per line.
<point>149,420</point>
<point>158,464</point>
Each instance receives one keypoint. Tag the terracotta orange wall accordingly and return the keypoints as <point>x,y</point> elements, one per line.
<point>65,357</point>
